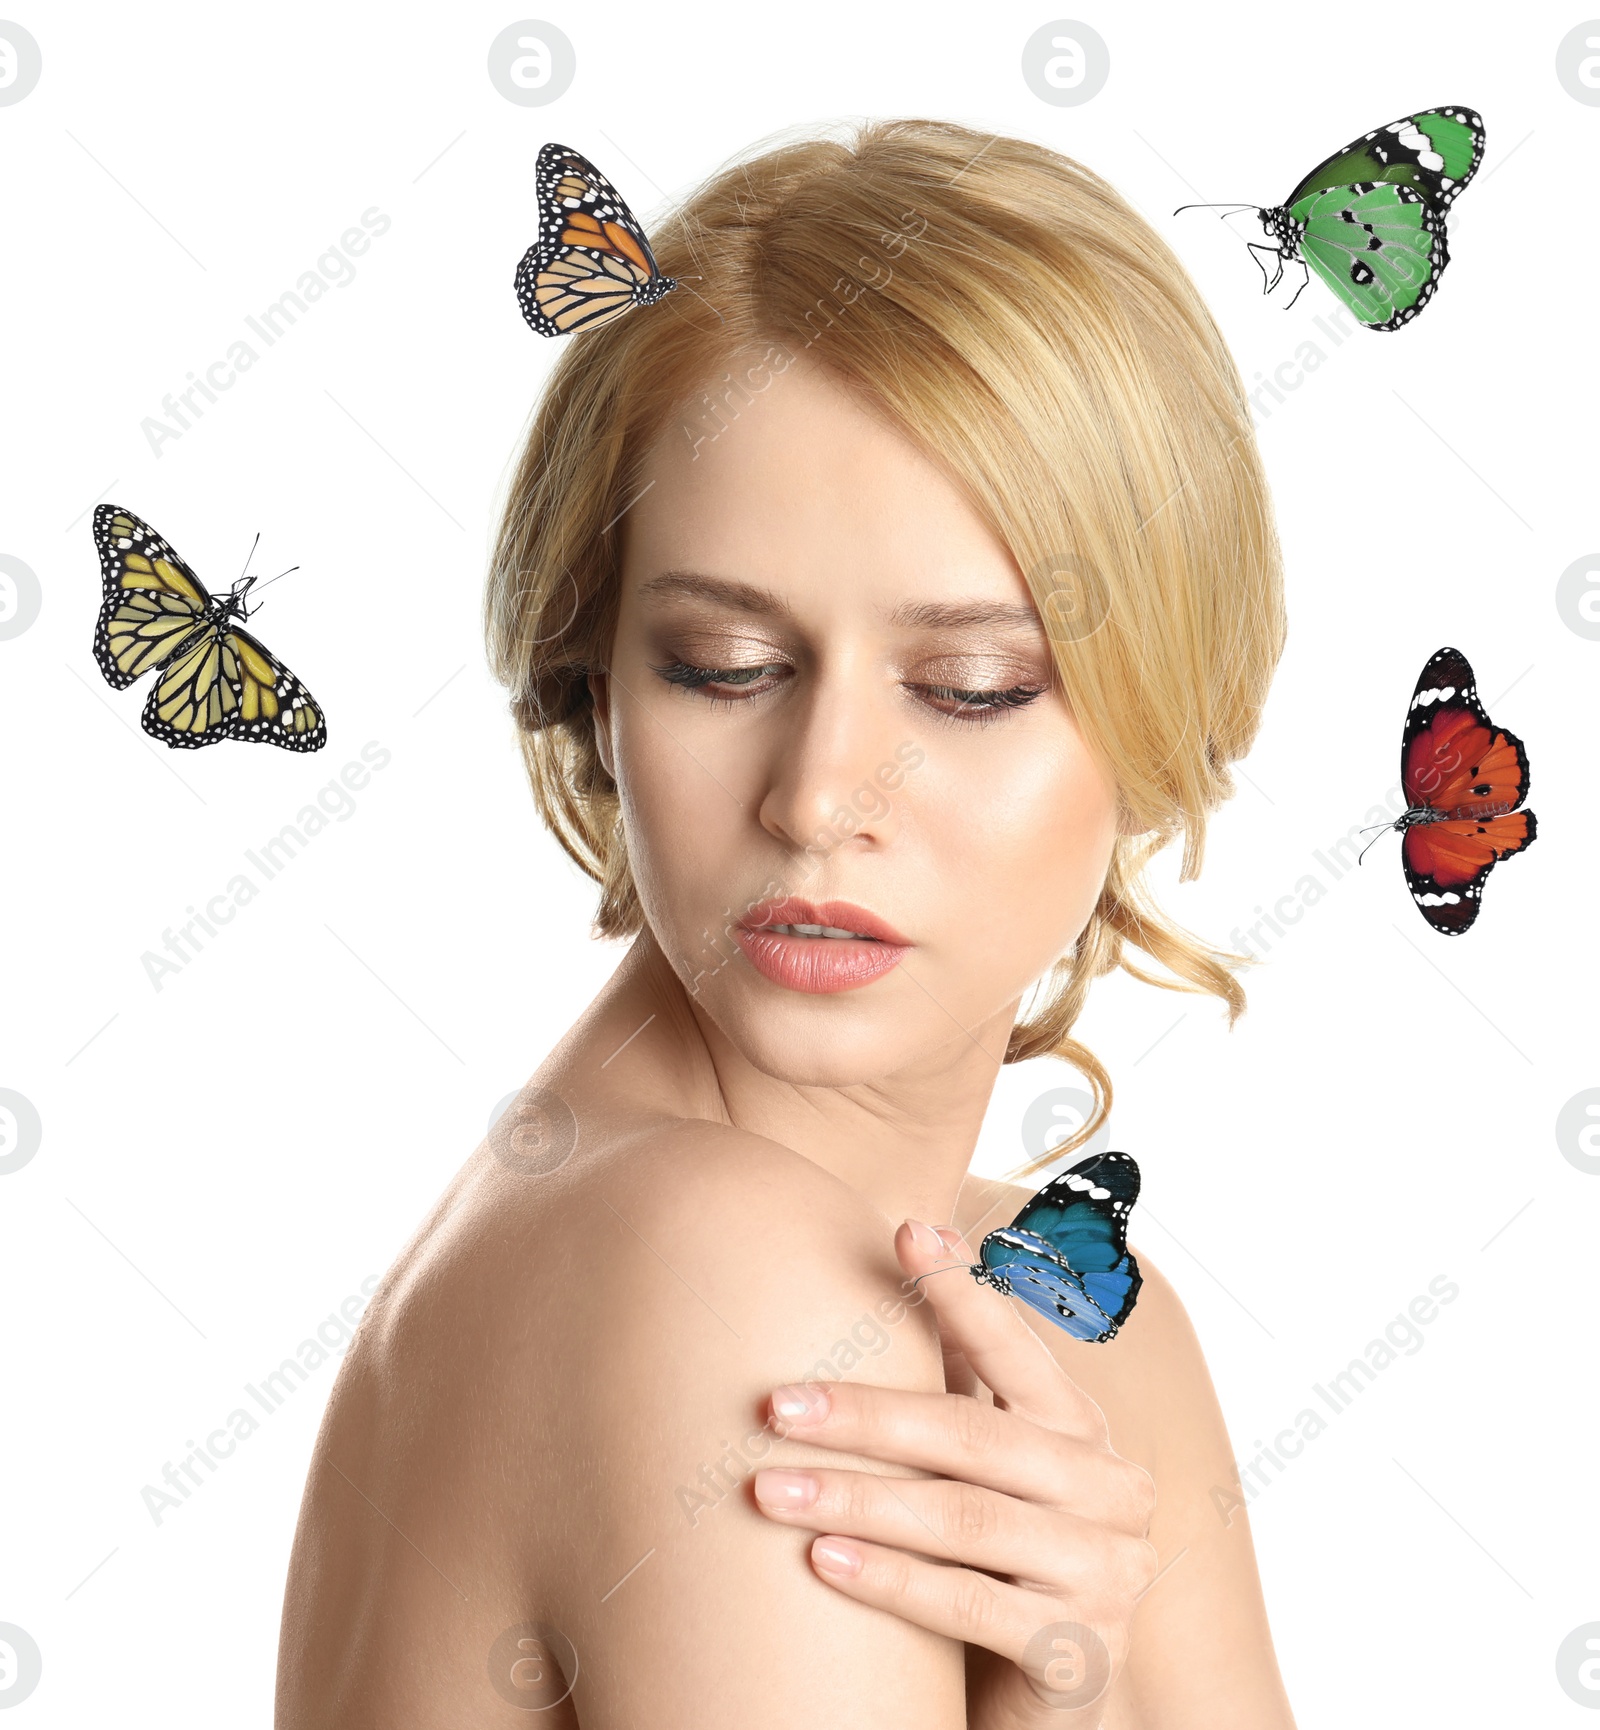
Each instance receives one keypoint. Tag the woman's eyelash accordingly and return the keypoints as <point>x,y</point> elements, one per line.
<point>693,678</point>
<point>984,706</point>
<point>971,706</point>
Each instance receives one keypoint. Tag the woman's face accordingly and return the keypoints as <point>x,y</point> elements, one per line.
<point>829,684</point>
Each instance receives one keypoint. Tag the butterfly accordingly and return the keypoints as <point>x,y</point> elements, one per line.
<point>214,680</point>
<point>1463,778</point>
<point>591,262</point>
<point>1066,1253</point>
<point>1370,220</point>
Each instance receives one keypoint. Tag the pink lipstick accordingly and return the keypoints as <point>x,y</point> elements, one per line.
<point>818,946</point>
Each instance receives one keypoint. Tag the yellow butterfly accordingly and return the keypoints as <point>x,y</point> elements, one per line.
<point>215,680</point>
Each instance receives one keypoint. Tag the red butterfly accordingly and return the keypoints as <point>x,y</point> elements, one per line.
<point>1464,778</point>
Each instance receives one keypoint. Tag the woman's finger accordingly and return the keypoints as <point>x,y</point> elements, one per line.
<point>969,1440</point>
<point>1038,1546</point>
<point>1068,1661</point>
<point>1000,1346</point>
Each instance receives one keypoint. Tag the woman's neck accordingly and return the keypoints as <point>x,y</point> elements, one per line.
<point>902,1139</point>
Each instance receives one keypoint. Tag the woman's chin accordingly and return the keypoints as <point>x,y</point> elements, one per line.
<point>849,1039</point>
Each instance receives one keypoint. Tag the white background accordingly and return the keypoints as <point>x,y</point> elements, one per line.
<point>225,1160</point>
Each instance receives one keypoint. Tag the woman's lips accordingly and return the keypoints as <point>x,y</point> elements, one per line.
<point>818,963</point>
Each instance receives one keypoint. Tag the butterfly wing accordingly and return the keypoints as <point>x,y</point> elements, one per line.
<point>591,262</point>
<point>1436,153</point>
<point>227,685</point>
<point>1447,864</point>
<point>1453,758</point>
<point>1071,1242</point>
<point>151,601</point>
<point>274,707</point>
<point>1023,1265</point>
<point>1379,247</point>
<point>1455,761</point>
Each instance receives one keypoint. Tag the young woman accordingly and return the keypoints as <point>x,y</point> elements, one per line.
<point>873,606</point>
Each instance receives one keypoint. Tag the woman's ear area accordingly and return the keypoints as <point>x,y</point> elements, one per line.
<point>600,700</point>
<point>1127,824</point>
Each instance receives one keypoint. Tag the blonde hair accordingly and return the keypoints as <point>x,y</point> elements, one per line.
<point>1031,333</point>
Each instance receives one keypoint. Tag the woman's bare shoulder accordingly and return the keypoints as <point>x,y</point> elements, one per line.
<point>692,1175</point>
<point>714,1267</point>
<point>544,1232</point>
<point>701,1254</point>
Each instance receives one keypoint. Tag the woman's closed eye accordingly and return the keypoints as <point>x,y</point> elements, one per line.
<point>980,706</point>
<point>703,679</point>
<point>743,684</point>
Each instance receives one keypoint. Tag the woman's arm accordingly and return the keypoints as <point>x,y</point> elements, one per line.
<point>1029,1544</point>
<point>1202,1650</point>
<point>1040,1519</point>
<point>1030,1538</point>
<point>719,1267</point>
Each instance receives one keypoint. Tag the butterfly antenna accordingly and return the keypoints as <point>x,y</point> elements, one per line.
<point>248,557</point>
<point>1383,829</point>
<point>1183,207</point>
<point>950,1269</point>
<point>700,297</point>
<point>271,580</point>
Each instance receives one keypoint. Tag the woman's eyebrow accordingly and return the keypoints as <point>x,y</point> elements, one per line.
<point>959,615</point>
<point>914,615</point>
<point>743,597</point>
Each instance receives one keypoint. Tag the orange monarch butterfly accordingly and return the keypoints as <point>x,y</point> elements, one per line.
<point>591,261</point>
<point>215,680</point>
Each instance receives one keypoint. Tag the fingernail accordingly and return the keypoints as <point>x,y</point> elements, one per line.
<point>834,1556</point>
<point>797,1405</point>
<point>786,1489</point>
<point>951,1239</point>
<point>925,1237</point>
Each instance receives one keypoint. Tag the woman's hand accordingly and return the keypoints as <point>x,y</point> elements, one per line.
<point>1033,1534</point>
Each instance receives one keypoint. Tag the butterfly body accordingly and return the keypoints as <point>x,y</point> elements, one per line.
<point>1066,1253</point>
<point>217,612</point>
<point>592,261</point>
<point>1464,780</point>
<point>214,680</point>
<point>1370,220</point>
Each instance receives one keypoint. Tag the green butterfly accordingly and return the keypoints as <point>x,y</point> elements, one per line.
<point>1370,220</point>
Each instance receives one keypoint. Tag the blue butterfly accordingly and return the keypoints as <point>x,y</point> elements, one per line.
<point>1066,1254</point>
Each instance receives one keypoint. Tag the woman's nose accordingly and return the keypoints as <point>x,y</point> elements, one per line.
<point>838,766</point>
